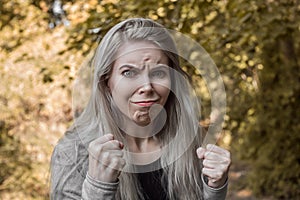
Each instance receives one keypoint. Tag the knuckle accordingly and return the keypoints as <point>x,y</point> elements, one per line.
<point>206,154</point>
<point>219,175</point>
<point>114,163</point>
<point>114,143</point>
<point>228,162</point>
<point>123,162</point>
<point>91,146</point>
<point>105,157</point>
<point>111,143</point>
<point>224,168</point>
<point>100,149</point>
<point>228,154</point>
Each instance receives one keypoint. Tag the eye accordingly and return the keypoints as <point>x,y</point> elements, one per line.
<point>158,74</point>
<point>129,73</point>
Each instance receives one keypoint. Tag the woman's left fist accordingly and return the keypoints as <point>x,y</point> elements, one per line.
<point>216,163</point>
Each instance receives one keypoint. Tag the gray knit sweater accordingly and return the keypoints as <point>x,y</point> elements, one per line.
<point>70,180</point>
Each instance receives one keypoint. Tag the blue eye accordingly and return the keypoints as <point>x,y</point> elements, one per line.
<point>158,74</point>
<point>129,73</point>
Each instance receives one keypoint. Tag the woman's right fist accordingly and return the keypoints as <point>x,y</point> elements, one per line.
<point>106,159</point>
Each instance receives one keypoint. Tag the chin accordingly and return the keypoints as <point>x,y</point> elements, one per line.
<point>143,122</point>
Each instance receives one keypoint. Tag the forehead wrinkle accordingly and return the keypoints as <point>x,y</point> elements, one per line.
<point>148,60</point>
<point>139,53</point>
<point>121,53</point>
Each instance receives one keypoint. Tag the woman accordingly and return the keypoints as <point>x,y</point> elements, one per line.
<point>138,136</point>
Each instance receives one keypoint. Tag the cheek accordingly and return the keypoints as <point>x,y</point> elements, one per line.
<point>166,93</point>
<point>164,88</point>
<point>163,92</point>
<point>120,100</point>
<point>121,92</point>
<point>118,87</point>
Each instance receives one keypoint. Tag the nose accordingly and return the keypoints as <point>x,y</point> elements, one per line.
<point>146,85</point>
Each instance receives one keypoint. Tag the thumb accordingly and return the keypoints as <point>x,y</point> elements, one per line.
<point>200,152</point>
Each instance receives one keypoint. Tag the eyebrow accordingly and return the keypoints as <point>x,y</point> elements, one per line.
<point>159,65</point>
<point>130,66</point>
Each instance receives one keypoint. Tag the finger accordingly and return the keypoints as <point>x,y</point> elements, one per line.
<point>212,173</point>
<point>97,150</point>
<point>101,140</point>
<point>217,149</point>
<point>212,164</point>
<point>112,145</point>
<point>217,165</point>
<point>121,164</point>
<point>200,152</point>
<point>209,155</point>
<point>116,163</point>
<point>114,153</point>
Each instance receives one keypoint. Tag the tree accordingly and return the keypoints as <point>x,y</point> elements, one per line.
<point>255,45</point>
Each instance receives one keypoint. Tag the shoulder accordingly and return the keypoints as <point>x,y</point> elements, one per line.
<point>69,150</point>
<point>69,164</point>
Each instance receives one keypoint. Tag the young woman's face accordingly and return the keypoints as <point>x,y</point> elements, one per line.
<point>140,79</point>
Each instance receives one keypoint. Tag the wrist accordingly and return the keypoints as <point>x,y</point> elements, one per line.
<point>94,181</point>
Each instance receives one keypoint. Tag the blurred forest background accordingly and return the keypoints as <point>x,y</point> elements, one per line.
<point>255,44</point>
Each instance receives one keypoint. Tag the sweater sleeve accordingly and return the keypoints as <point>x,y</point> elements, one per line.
<point>93,189</point>
<point>214,193</point>
<point>69,178</point>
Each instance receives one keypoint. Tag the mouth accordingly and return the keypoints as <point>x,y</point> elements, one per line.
<point>146,103</point>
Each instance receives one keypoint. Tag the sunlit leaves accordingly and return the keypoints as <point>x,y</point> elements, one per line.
<point>255,45</point>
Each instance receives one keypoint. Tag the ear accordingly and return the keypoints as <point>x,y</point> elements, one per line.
<point>108,83</point>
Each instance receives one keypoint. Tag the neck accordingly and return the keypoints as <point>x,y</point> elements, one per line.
<point>142,145</point>
<point>143,150</point>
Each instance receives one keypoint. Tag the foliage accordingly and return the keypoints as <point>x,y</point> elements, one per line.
<point>269,137</point>
<point>255,45</point>
<point>34,110</point>
<point>17,164</point>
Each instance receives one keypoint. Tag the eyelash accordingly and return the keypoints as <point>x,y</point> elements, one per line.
<point>161,75</point>
<point>153,74</point>
<point>130,71</point>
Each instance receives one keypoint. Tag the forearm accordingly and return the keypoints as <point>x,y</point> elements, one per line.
<point>214,193</point>
<point>67,182</point>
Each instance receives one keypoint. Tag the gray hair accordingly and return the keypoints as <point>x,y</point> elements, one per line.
<point>181,137</point>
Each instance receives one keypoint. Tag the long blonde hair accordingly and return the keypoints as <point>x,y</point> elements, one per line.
<point>181,168</point>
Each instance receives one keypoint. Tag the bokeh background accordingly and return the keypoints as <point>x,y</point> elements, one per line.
<point>255,44</point>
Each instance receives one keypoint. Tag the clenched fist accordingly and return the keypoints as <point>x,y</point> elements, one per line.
<point>216,163</point>
<point>106,159</point>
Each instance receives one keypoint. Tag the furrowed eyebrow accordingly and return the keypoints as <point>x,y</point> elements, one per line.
<point>162,66</point>
<point>128,66</point>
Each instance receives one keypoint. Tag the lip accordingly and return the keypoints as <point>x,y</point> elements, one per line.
<point>146,103</point>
